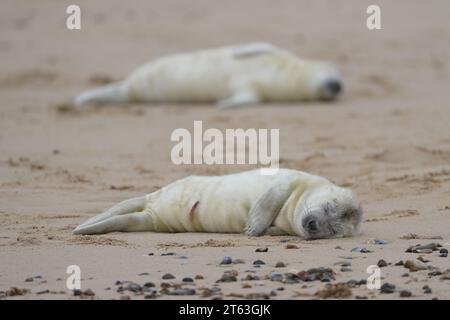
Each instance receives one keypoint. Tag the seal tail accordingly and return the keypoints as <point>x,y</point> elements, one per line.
<point>128,215</point>
<point>114,92</point>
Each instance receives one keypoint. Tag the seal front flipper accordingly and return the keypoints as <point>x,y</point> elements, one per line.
<point>242,98</point>
<point>275,231</point>
<point>267,207</point>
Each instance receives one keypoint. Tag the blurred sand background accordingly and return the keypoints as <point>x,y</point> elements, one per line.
<point>388,139</point>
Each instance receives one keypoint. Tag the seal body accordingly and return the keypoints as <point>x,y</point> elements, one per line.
<point>219,203</point>
<point>248,201</point>
<point>231,76</point>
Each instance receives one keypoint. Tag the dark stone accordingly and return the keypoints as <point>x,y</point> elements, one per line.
<point>226,260</point>
<point>387,288</point>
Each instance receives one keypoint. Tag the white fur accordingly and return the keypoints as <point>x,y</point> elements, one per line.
<point>235,203</point>
<point>230,76</point>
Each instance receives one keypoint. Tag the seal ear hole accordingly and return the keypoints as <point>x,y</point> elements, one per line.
<point>352,214</point>
<point>349,213</point>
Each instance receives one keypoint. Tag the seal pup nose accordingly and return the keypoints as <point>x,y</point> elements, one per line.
<point>334,87</point>
<point>310,224</point>
<point>331,89</point>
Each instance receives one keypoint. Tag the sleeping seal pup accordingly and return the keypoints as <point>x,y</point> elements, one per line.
<point>230,76</point>
<point>290,202</point>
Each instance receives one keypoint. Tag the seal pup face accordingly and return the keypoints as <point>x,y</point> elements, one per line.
<point>328,212</point>
<point>326,83</point>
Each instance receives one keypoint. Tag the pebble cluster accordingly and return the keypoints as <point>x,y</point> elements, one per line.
<point>174,285</point>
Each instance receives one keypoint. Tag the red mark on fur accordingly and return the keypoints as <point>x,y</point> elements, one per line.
<point>192,212</point>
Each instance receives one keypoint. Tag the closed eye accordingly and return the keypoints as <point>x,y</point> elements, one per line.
<point>328,209</point>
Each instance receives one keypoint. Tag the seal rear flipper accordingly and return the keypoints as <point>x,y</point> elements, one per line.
<point>129,206</point>
<point>136,221</point>
<point>114,92</point>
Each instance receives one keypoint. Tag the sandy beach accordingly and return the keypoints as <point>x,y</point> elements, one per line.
<point>387,138</point>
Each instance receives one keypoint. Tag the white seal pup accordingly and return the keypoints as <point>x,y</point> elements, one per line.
<point>230,76</point>
<point>288,202</point>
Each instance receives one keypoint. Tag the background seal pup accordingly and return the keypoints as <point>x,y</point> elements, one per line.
<point>230,76</point>
<point>289,202</point>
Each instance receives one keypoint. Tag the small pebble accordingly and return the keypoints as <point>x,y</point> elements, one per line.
<point>152,295</point>
<point>199,277</point>
<point>262,249</point>
<point>251,277</point>
<point>43,292</point>
<point>354,283</point>
<point>291,278</point>
<point>133,287</point>
<point>346,269</point>
<point>343,264</point>
<point>400,263</point>
<point>88,293</point>
<point>149,284</point>
<point>168,276</point>
<point>414,265</point>
<point>229,276</point>
<point>77,292</point>
<point>226,260</point>
<point>377,241</point>
<point>360,250</point>
<point>273,293</point>
<point>405,275</point>
<point>382,263</point>
<point>276,277</point>
<point>258,262</point>
<point>387,288</point>
<point>291,246</point>
<point>280,265</point>
<point>428,248</point>
<point>427,251</point>
<point>427,289</point>
<point>443,253</point>
<point>125,298</point>
<point>30,279</point>
<point>182,292</point>
<point>422,259</point>
<point>143,274</point>
<point>238,261</point>
<point>405,294</point>
<point>168,254</point>
<point>187,279</point>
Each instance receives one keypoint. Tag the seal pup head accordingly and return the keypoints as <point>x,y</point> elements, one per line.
<point>328,212</point>
<point>325,83</point>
